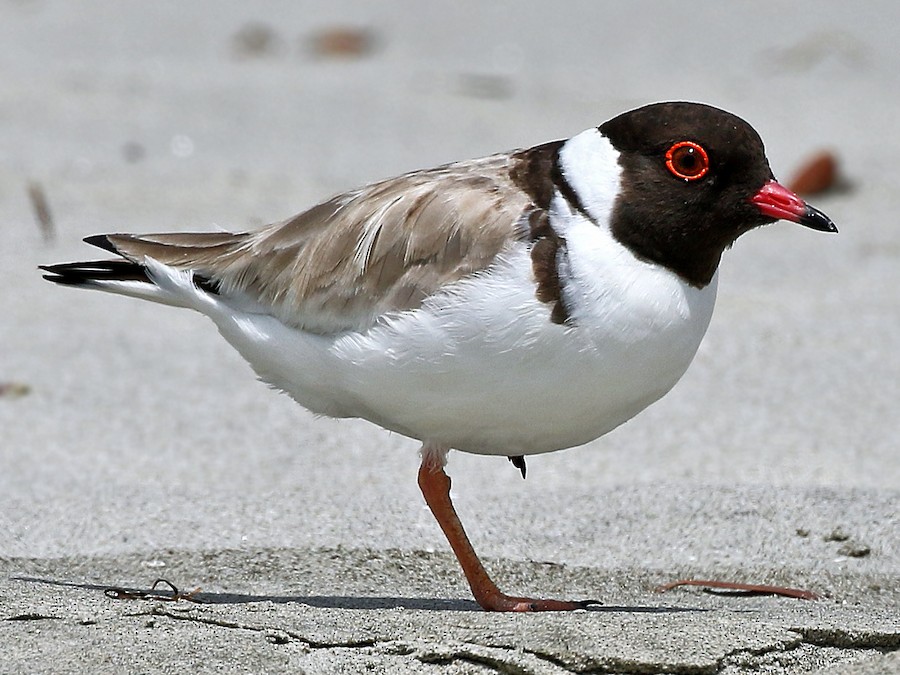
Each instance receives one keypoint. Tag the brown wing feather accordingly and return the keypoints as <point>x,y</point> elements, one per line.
<point>343,263</point>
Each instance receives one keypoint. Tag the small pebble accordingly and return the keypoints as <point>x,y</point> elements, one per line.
<point>816,175</point>
<point>342,42</point>
<point>277,637</point>
<point>854,549</point>
<point>837,534</point>
<point>481,85</point>
<point>14,389</point>
<point>133,151</point>
<point>255,40</point>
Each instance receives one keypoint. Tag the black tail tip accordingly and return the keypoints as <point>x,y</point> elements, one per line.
<point>58,275</point>
<point>93,272</point>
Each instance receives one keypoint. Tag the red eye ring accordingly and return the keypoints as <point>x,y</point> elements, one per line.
<point>687,160</point>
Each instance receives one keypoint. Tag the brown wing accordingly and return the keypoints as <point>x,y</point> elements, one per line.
<point>343,263</point>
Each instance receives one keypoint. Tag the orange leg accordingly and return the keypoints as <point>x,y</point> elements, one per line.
<point>435,486</point>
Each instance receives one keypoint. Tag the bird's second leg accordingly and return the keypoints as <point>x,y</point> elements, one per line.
<point>435,486</point>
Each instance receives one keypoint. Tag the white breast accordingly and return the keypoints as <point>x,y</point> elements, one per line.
<point>481,367</point>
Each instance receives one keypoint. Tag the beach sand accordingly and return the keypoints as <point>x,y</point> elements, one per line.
<point>136,445</point>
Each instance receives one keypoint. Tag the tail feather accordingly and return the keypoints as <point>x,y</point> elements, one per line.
<point>200,251</point>
<point>129,274</point>
<point>85,273</point>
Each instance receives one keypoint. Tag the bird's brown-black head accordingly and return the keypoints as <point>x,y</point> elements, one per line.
<point>694,178</point>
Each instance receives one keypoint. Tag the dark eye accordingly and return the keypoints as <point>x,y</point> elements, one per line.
<point>687,160</point>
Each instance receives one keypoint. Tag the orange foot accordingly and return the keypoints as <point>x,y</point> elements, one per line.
<point>499,602</point>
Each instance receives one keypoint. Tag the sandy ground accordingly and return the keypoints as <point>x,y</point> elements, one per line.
<point>134,444</point>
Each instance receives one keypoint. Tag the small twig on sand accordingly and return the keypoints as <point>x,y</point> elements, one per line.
<point>171,595</point>
<point>41,211</point>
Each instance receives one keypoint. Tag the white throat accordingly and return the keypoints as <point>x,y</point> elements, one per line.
<point>590,165</point>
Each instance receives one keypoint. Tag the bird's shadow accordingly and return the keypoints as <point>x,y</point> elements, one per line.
<point>169,593</point>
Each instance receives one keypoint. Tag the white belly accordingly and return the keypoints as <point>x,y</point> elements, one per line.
<point>482,369</point>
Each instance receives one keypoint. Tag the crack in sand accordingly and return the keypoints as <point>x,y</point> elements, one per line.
<point>276,633</point>
<point>850,639</point>
<point>31,616</point>
<point>515,660</point>
<point>750,659</point>
<point>505,660</point>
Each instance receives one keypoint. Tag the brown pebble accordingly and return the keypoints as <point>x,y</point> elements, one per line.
<point>817,174</point>
<point>342,42</point>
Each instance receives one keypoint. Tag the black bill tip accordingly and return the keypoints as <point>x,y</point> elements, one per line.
<point>816,220</point>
